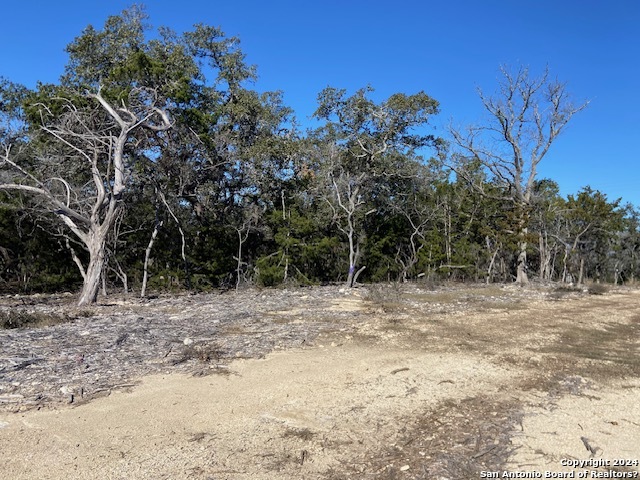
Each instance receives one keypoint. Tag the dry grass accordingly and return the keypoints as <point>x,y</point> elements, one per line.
<point>385,297</point>
<point>301,433</point>
<point>564,291</point>
<point>485,305</point>
<point>22,319</point>
<point>609,352</point>
<point>559,346</point>
<point>598,289</point>
<point>457,440</point>
<point>455,295</point>
<point>204,353</point>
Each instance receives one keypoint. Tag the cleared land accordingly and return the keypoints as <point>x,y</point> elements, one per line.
<point>376,382</point>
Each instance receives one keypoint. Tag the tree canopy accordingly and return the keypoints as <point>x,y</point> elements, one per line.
<point>154,163</point>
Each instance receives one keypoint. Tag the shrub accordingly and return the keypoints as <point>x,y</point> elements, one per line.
<point>386,297</point>
<point>598,289</point>
<point>22,319</point>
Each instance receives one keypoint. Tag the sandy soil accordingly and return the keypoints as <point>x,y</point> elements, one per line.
<point>492,380</point>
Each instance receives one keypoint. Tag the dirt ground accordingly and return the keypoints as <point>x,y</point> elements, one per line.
<point>396,382</point>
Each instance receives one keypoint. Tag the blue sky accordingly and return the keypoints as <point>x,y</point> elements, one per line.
<point>446,48</point>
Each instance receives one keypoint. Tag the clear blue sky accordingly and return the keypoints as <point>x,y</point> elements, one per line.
<point>446,48</point>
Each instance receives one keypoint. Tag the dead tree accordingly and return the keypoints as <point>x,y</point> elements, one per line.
<point>346,203</point>
<point>525,118</point>
<point>90,140</point>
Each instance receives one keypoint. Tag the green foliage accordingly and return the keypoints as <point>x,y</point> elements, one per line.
<point>271,270</point>
<point>12,96</point>
<point>382,247</point>
<point>304,251</point>
<point>358,191</point>
<point>30,260</point>
<point>593,224</point>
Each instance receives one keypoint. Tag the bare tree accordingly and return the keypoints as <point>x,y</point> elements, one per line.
<point>248,222</point>
<point>419,213</point>
<point>525,118</point>
<point>346,201</point>
<point>367,144</point>
<point>157,225</point>
<point>88,141</point>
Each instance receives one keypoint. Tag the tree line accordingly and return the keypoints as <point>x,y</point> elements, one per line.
<point>154,164</point>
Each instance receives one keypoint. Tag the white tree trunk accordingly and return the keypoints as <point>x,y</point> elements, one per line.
<point>521,271</point>
<point>91,285</point>
<point>93,213</point>
<point>493,261</point>
<point>147,256</point>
